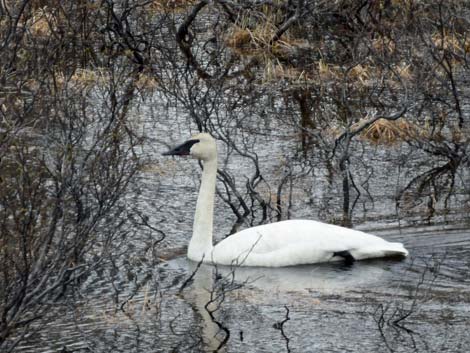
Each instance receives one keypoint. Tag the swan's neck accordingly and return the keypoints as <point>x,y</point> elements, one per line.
<point>200,246</point>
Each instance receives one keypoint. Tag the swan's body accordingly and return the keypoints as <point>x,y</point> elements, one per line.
<point>285,243</point>
<point>296,242</point>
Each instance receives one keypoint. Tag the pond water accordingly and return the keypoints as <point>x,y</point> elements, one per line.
<point>152,299</point>
<point>420,304</point>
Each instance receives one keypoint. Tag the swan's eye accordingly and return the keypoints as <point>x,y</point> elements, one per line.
<point>181,150</point>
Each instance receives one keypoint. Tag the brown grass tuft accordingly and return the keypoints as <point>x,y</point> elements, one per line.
<point>86,79</point>
<point>146,83</point>
<point>239,39</point>
<point>390,132</point>
<point>42,23</point>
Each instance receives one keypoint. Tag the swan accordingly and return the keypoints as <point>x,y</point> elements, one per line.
<point>284,243</point>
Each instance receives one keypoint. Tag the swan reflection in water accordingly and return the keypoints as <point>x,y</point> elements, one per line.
<point>271,286</point>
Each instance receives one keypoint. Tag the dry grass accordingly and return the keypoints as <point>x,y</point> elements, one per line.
<point>239,39</point>
<point>390,132</point>
<point>404,70</point>
<point>85,79</point>
<point>146,83</point>
<point>362,73</point>
<point>257,41</point>
<point>41,24</point>
<point>274,70</point>
<point>325,71</point>
<point>278,58</point>
<point>46,20</point>
<point>252,41</point>
<point>318,75</point>
<point>384,45</point>
<point>451,42</point>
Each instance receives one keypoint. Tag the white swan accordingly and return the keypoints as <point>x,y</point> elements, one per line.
<point>286,243</point>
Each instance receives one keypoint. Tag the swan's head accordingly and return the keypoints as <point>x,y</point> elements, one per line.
<point>201,146</point>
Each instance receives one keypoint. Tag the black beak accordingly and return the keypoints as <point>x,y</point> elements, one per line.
<point>181,150</point>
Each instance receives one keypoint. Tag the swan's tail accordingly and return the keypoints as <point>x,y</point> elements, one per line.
<point>384,250</point>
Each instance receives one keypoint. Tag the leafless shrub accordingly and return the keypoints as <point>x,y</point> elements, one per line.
<point>67,154</point>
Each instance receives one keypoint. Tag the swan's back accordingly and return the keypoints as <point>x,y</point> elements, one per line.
<point>296,242</point>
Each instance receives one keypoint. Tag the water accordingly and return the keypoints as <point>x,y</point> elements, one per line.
<point>419,304</point>
<point>145,301</point>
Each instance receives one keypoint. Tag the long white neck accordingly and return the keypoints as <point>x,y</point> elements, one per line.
<point>200,245</point>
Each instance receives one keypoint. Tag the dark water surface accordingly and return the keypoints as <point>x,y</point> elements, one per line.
<point>421,304</point>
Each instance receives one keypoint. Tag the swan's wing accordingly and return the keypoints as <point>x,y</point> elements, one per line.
<point>300,242</point>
